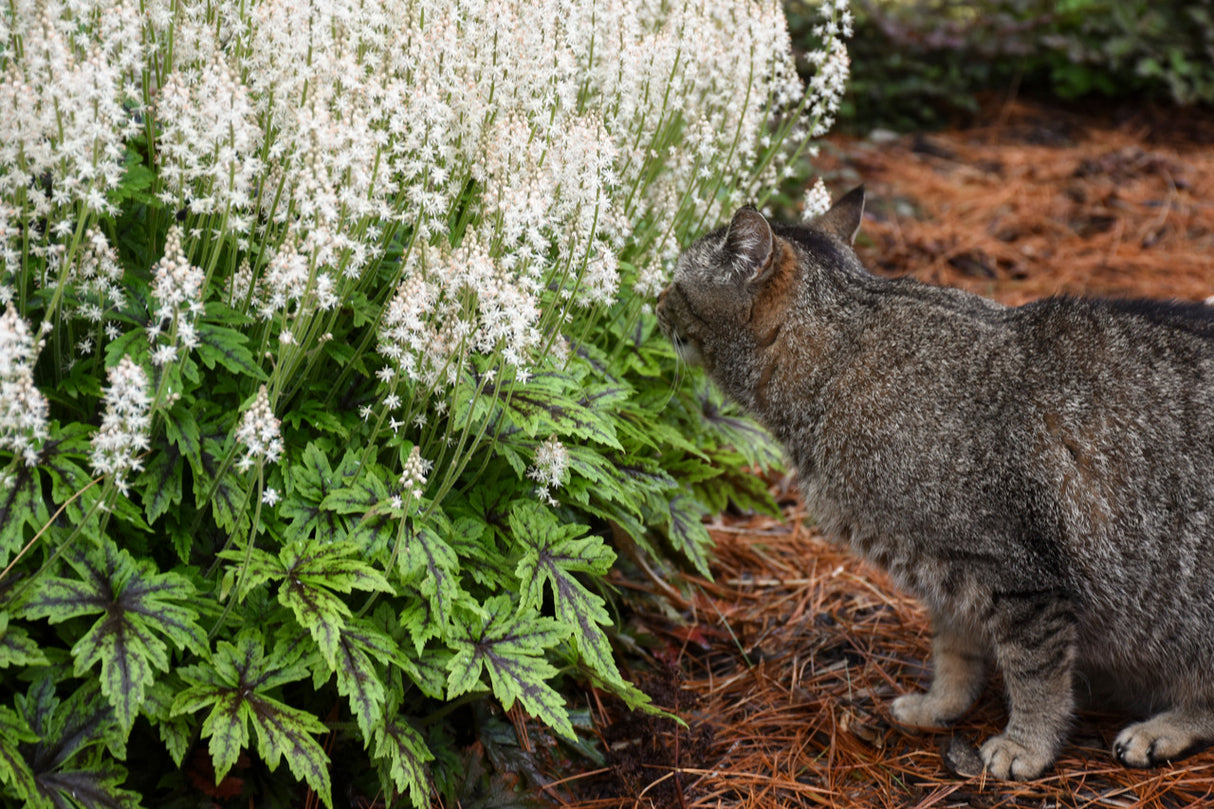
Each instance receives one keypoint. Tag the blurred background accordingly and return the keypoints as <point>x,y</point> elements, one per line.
<point>1021,148</point>
<point>929,63</point>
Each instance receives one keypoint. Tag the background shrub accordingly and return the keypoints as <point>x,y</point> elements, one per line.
<point>919,63</point>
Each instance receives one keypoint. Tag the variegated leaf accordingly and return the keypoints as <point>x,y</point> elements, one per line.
<point>140,609</point>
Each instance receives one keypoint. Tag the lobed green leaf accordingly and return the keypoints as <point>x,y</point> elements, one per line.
<point>139,607</point>
<point>234,682</point>
<point>406,754</point>
<point>509,646</point>
<point>16,646</point>
<point>554,553</point>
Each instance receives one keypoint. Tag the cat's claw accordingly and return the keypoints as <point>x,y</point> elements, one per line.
<point>1009,760</point>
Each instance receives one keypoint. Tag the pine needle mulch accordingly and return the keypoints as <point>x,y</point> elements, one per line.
<point>783,666</point>
<point>1042,201</point>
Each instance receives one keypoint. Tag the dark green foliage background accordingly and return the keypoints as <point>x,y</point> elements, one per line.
<point>918,63</point>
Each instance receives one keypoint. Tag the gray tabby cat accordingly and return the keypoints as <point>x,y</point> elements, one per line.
<point>1041,476</point>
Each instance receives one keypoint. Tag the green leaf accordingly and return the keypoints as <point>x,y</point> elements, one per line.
<point>416,616</point>
<point>217,485</point>
<point>17,648</point>
<point>510,646</point>
<point>20,506</point>
<point>286,732</point>
<point>23,503</point>
<point>644,478</point>
<point>406,755</point>
<point>554,553</point>
<point>67,478</point>
<point>544,404</point>
<point>595,477</point>
<point>160,481</point>
<point>219,345</point>
<point>314,415</point>
<point>737,485</point>
<point>234,683</point>
<point>182,428</point>
<point>136,183</point>
<point>426,668</point>
<point>743,434</point>
<point>313,572</point>
<point>374,535</point>
<point>140,609</point>
<point>360,495</point>
<point>427,561</point>
<point>262,567</point>
<point>132,343</point>
<point>336,566</point>
<point>175,731</point>
<point>73,759</point>
<point>14,770</point>
<point>471,539</point>
<point>81,384</point>
<point>687,532</point>
<point>310,481</point>
<point>360,645</point>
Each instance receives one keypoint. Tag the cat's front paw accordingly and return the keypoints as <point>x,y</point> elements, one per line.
<point>920,710</point>
<point>1150,743</point>
<point>1009,760</point>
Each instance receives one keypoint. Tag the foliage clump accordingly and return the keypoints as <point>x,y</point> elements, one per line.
<point>328,368</point>
<point>919,63</point>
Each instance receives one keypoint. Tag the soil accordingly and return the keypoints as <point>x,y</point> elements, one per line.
<point>780,669</point>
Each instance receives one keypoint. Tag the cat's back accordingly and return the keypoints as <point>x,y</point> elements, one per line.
<point>1142,350</point>
<point>1134,330</point>
<point>1103,407</point>
<point>1122,369</point>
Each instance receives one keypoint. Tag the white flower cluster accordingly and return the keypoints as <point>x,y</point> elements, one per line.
<point>177,292</point>
<point>124,424</point>
<point>23,408</point>
<point>831,64</point>
<point>415,473</point>
<point>576,120</point>
<point>551,468</point>
<point>409,337</point>
<point>66,92</point>
<point>516,151</point>
<point>209,141</point>
<point>291,283</point>
<point>502,319</point>
<point>260,432</point>
<point>817,200</point>
<point>97,276</point>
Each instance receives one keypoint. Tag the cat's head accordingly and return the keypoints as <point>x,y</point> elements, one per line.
<point>732,289</point>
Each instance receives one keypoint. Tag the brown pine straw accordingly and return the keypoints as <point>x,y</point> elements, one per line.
<point>783,666</point>
<point>1043,202</point>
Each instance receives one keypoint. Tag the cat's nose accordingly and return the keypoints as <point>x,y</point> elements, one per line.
<point>662,296</point>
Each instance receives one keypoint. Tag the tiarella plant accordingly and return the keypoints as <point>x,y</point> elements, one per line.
<point>327,371</point>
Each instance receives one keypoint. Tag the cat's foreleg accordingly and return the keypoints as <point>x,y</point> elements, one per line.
<point>958,669</point>
<point>1034,644</point>
<point>1164,737</point>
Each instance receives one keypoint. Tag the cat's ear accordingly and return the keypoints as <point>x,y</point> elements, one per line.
<point>749,241</point>
<point>843,218</point>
